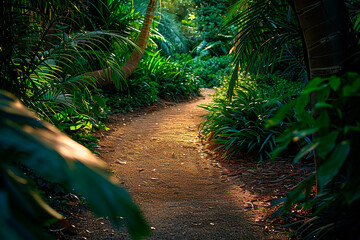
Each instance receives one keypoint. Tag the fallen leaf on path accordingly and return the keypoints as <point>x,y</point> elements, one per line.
<point>120,162</point>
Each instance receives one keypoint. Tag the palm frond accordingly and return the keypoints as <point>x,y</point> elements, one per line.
<point>174,40</point>
<point>48,52</point>
<point>266,37</point>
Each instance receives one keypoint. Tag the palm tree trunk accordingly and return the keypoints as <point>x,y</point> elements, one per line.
<point>132,63</point>
<point>327,33</point>
<point>328,37</point>
<point>105,77</point>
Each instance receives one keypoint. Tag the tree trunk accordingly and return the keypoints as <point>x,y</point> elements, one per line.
<point>105,77</point>
<point>328,37</point>
<point>328,34</point>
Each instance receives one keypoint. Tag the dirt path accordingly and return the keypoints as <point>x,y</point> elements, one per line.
<point>158,158</point>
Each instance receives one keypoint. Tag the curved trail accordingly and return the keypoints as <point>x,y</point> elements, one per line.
<point>157,157</point>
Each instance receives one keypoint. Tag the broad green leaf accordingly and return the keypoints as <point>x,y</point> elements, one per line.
<point>314,83</point>
<point>347,129</point>
<point>26,212</point>
<point>300,192</point>
<point>352,195</point>
<point>304,132</point>
<point>323,105</point>
<point>280,115</point>
<point>54,156</point>
<point>334,83</point>
<point>301,104</point>
<point>322,95</point>
<point>108,200</point>
<point>327,143</point>
<point>331,166</point>
<point>233,81</point>
<point>306,150</point>
<point>323,122</point>
<point>280,148</point>
<point>352,88</point>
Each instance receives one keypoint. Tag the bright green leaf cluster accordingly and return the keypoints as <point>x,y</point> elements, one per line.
<point>155,77</point>
<point>334,125</point>
<point>237,126</point>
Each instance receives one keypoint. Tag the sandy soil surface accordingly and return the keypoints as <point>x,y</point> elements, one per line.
<point>183,192</point>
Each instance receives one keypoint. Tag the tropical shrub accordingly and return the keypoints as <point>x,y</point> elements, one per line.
<point>209,71</point>
<point>27,142</point>
<point>212,71</point>
<point>332,193</point>
<point>266,40</point>
<point>210,15</point>
<point>237,126</point>
<point>46,50</point>
<point>155,77</point>
<point>173,39</point>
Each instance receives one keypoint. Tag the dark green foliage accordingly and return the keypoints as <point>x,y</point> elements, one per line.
<point>44,53</point>
<point>334,124</point>
<point>110,15</point>
<point>26,141</point>
<point>155,77</point>
<point>210,16</point>
<point>45,48</point>
<point>211,72</point>
<point>164,75</point>
<point>208,71</point>
<point>238,126</point>
<point>173,39</point>
<point>267,39</point>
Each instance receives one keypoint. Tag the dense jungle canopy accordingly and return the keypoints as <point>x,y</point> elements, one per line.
<point>286,74</point>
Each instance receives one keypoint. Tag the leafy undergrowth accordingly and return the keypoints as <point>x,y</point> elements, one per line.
<point>156,77</point>
<point>208,71</point>
<point>238,126</point>
<point>323,203</point>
